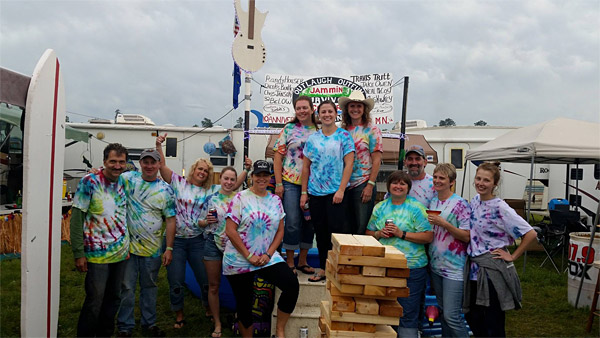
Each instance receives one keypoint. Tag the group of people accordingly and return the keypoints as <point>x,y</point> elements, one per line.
<point>319,169</point>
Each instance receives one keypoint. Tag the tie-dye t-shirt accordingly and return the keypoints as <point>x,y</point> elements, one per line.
<point>147,202</point>
<point>105,237</point>
<point>494,225</point>
<point>409,216</point>
<point>258,219</point>
<point>189,200</point>
<point>367,140</point>
<point>290,144</point>
<point>220,202</point>
<point>423,190</point>
<point>327,156</point>
<point>448,254</point>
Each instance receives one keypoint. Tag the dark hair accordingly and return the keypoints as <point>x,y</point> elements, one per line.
<point>347,121</point>
<point>229,168</point>
<point>118,148</point>
<point>493,167</point>
<point>312,108</point>
<point>327,102</point>
<point>398,176</point>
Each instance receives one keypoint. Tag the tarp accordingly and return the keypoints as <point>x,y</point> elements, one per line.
<point>390,148</point>
<point>560,140</point>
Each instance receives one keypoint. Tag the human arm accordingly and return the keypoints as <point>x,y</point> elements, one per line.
<point>460,234</point>
<point>266,257</point>
<point>525,241</point>
<point>244,174</point>
<point>277,171</point>
<point>76,226</point>
<point>348,162</point>
<point>422,237</point>
<point>367,192</point>
<point>165,172</point>
<point>305,173</point>
<point>170,238</point>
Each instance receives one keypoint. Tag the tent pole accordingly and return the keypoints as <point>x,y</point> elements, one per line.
<point>576,185</point>
<point>587,257</point>
<point>567,182</point>
<point>529,204</point>
<point>403,126</point>
<point>462,190</point>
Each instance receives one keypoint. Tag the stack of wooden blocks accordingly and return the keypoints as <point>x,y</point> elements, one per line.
<point>364,280</point>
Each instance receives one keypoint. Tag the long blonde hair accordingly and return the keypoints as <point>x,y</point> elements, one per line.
<point>208,182</point>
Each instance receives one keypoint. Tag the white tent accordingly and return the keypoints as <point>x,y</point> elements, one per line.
<point>556,141</point>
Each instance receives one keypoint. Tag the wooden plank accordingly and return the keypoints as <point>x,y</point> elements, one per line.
<point>322,323</point>
<point>371,246</point>
<point>375,271</point>
<point>366,280</point>
<point>400,273</point>
<point>393,253</point>
<point>342,326</point>
<point>351,317</point>
<point>397,292</point>
<point>336,292</point>
<point>385,262</point>
<point>346,244</point>
<point>344,269</point>
<point>341,303</point>
<point>345,288</point>
<point>390,308</point>
<point>366,306</point>
<point>362,327</point>
<point>373,290</point>
<point>382,331</point>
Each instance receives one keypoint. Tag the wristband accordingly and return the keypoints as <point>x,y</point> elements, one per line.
<point>371,183</point>
<point>279,185</point>
<point>169,248</point>
<point>403,235</point>
<point>249,256</point>
<point>304,193</point>
<point>266,253</point>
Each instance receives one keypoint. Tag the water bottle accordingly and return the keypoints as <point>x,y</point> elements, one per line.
<point>306,212</point>
<point>19,200</point>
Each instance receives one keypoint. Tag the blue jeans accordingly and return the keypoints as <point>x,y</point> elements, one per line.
<point>144,269</point>
<point>449,295</point>
<point>298,232</point>
<point>189,250</point>
<point>362,211</point>
<point>102,299</point>
<point>409,323</point>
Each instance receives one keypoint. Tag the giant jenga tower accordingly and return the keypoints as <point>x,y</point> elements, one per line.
<point>364,279</point>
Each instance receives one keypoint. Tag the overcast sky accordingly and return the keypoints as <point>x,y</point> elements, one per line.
<point>510,63</point>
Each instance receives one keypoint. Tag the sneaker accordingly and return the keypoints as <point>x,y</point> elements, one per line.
<point>124,334</point>
<point>155,331</point>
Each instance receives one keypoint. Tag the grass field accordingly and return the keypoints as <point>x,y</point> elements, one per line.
<point>545,313</point>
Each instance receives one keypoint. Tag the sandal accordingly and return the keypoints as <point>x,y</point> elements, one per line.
<point>216,334</point>
<point>317,278</point>
<point>306,269</point>
<point>179,324</point>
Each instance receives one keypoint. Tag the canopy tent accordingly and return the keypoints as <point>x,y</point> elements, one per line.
<point>558,141</point>
<point>390,148</point>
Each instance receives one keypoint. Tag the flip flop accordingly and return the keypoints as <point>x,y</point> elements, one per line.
<point>317,278</point>
<point>216,334</point>
<point>306,269</point>
<point>179,324</point>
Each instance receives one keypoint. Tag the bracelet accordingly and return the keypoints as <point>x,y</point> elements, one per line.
<point>403,235</point>
<point>279,185</point>
<point>377,236</point>
<point>371,183</point>
<point>266,253</point>
<point>304,193</point>
<point>169,248</point>
<point>249,256</point>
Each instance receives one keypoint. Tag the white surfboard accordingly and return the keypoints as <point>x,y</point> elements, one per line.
<point>43,157</point>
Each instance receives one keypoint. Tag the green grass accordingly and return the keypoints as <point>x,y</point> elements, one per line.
<point>545,313</point>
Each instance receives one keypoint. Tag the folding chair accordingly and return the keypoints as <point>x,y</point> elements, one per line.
<point>555,236</point>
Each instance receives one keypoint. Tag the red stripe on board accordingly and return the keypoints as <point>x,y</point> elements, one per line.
<point>54,112</point>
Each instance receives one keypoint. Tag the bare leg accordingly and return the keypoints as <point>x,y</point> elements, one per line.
<point>289,258</point>
<point>245,332</point>
<point>179,319</point>
<point>302,259</point>
<point>213,272</point>
<point>282,319</point>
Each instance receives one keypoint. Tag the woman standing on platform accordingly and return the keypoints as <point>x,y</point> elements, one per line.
<point>448,251</point>
<point>190,195</point>
<point>356,119</point>
<point>287,163</point>
<point>254,226</point>
<point>494,285</point>
<point>328,158</point>
<point>401,221</point>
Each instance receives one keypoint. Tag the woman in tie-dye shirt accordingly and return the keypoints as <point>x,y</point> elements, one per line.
<point>254,226</point>
<point>190,195</point>
<point>287,164</point>
<point>328,158</point>
<point>356,119</point>
<point>494,226</point>
<point>448,251</point>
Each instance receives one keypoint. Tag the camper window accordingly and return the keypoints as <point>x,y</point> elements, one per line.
<point>456,157</point>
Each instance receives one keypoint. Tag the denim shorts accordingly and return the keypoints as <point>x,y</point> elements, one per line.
<point>211,252</point>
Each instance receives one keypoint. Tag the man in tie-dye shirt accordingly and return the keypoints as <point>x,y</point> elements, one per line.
<point>149,199</point>
<point>422,183</point>
<point>100,242</point>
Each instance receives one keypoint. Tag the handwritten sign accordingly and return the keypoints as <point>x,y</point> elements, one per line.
<point>281,91</point>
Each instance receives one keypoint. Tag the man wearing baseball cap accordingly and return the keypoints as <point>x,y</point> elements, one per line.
<point>149,199</point>
<point>422,183</point>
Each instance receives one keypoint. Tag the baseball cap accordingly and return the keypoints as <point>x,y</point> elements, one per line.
<point>416,149</point>
<point>150,152</point>
<point>261,166</point>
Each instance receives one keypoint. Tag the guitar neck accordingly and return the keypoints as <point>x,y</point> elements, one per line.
<point>251,20</point>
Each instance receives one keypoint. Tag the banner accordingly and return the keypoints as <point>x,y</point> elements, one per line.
<point>281,91</point>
